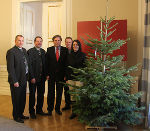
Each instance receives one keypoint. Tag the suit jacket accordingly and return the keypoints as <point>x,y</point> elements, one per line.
<point>35,60</point>
<point>56,68</point>
<point>16,66</point>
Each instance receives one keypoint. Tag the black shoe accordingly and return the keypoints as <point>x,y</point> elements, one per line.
<point>72,102</point>
<point>49,113</point>
<point>66,108</point>
<point>24,117</point>
<point>73,115</point>
<point>41,113</point>
<point>19,120</point>
<point>58,112</point>
<point>33,116</point>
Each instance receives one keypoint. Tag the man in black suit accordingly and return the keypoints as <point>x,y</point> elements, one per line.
<point>55,66</point>
<point>37,77</point>
<point>68,43</point>
<point>18,69</point>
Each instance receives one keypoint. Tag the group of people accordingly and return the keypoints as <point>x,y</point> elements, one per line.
<point>36,66</point>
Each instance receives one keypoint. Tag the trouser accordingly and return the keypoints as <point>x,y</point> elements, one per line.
<point>67,95</point>
<point>51,94</point>
<point>40,88</point>
<point>74,83</point>
<point>18,95</point>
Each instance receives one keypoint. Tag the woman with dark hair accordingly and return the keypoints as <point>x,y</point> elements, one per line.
<point>76,59</point>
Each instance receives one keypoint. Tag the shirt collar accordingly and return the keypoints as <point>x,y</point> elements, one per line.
<point>19,47</point>
<point>37,48</point>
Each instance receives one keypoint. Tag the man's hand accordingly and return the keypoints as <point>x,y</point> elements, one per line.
<point>16,84</point>
<point>47,77</point>
<point>33,81</point>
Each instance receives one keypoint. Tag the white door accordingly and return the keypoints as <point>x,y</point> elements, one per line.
<point>27,23</point>
<point>54,22</point>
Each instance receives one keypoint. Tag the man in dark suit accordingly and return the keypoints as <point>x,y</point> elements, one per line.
<point>68,43</point>
<point>18,69</point>
<point>55,66</point>
<point>37,77</point>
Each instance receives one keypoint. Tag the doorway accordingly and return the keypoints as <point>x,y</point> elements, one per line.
<point>30,22</point>
<point>46,19</point>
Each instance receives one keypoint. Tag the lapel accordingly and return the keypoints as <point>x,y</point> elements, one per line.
<point>55,53</point>
<point>42,54</point>
<point>19,51</point>
<point>22,54</point>
<point>36,51</point>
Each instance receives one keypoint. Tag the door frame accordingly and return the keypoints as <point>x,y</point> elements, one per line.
<point>16,16</point>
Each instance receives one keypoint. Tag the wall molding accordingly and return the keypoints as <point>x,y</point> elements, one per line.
<point>141,14</point>
<point>4,85</point>
<point>3,68</point>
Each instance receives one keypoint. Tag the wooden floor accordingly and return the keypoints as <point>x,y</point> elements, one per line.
<point>46,123</point>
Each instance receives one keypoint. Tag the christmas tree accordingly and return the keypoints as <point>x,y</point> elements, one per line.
<point>105,98</point>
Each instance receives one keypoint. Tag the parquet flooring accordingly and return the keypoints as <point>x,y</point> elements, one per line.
<point>46,123</point>
<point>43,123</point>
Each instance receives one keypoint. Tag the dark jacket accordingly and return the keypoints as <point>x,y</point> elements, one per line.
<point>15,65</point>
<point>56,68</point>
<point>76,60</point>
<point>37,69</point>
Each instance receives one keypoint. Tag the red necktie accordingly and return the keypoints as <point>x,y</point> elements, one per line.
<point>57,53</point>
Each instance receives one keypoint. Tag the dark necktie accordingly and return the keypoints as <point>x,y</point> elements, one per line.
<point>40,61</point>
<point>69,51</point>
<point>39,52</point>
<point>57,53</point>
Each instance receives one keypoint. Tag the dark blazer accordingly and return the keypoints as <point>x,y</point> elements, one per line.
<point>54,68</point>
<point>15,65</point>
<point>35,59</point>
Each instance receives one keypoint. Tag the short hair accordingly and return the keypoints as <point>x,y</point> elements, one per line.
<point>38,37</point>
<point>18,36</point>
<point>68,38</point>
<point>56,37</point>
